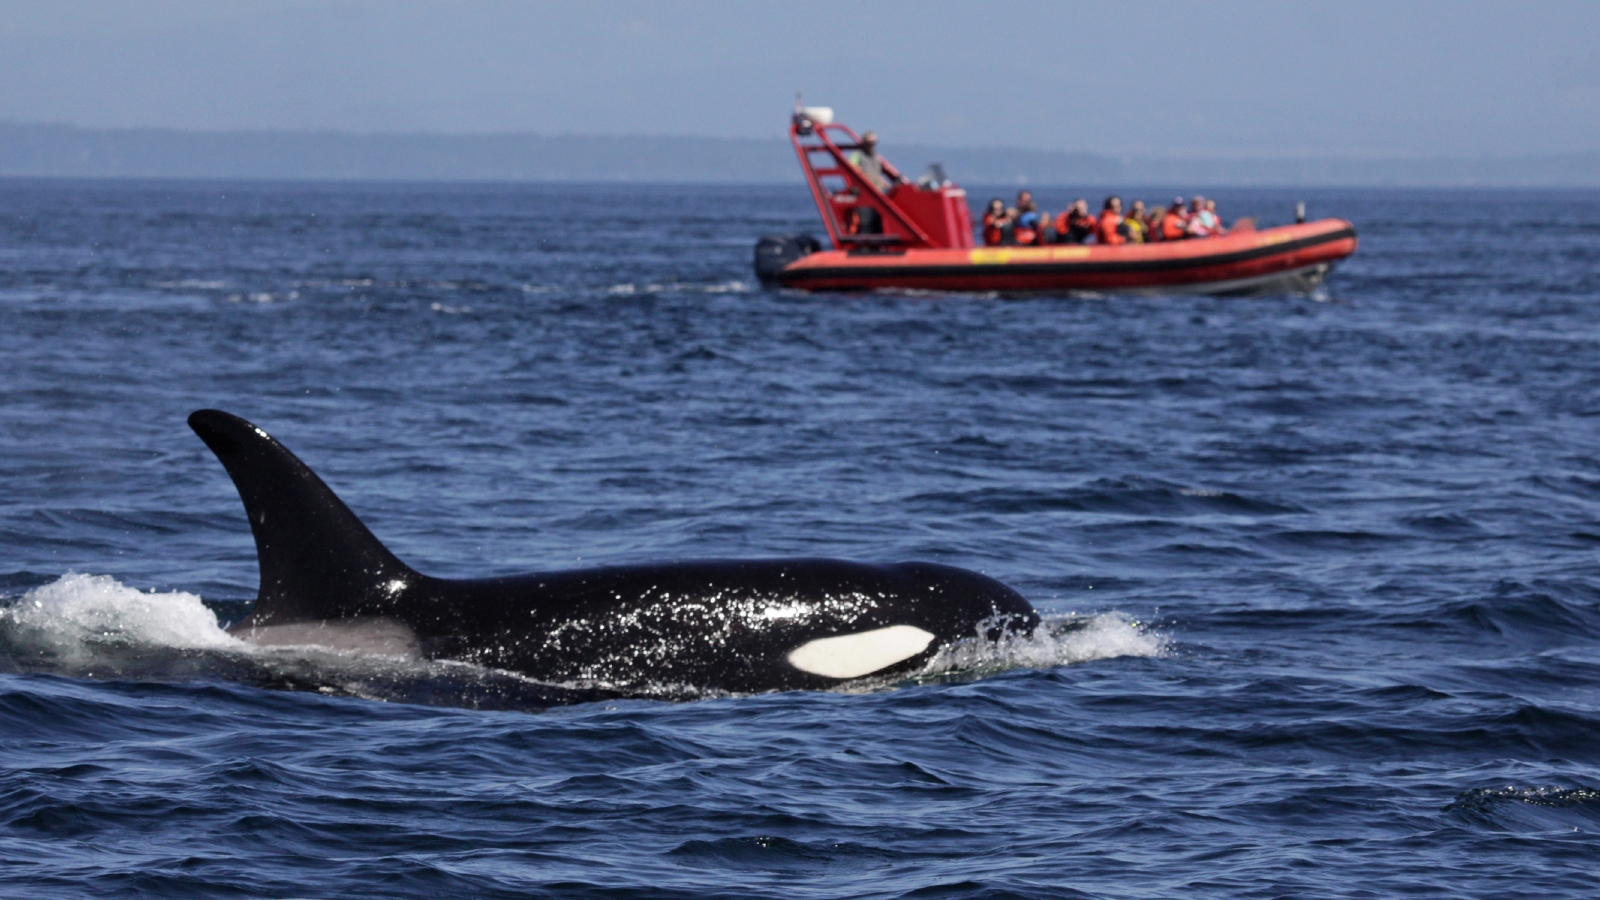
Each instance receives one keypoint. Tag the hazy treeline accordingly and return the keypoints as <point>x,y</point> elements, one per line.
<point>69,151</point>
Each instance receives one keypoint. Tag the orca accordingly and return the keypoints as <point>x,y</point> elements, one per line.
<point>722,625</point>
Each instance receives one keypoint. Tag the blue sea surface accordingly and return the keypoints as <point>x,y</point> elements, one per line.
<point>1323,569</point>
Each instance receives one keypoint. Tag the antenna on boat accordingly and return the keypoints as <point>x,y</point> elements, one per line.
<point>807,117</point>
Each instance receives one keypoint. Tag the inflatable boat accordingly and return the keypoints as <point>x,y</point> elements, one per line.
<point>918,237</point>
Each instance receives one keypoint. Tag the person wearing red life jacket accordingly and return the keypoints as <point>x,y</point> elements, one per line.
<point>1175,225</point>
<point>997,223</point>
<point>1152,224</point>
<point>1158,230</point>
<point>1110,217</point>
<point>1075,224</point>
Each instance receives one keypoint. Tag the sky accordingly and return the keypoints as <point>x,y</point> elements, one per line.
<point>1225,78</point>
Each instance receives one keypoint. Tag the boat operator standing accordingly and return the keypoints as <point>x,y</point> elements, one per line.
<point>867,162</point>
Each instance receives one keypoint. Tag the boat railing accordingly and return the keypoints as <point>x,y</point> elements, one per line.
<point>843,194</point>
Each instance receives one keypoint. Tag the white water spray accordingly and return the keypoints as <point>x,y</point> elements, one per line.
<point>1058,641</point>
<point>74,613</point>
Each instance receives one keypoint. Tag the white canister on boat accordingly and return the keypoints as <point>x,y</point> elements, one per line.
<point>819,115</point>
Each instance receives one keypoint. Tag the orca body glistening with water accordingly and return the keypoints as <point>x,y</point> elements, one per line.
<point>722,625</point>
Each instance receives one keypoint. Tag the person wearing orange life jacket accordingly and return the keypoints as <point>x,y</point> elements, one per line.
<point>997,222</point>
<point>1110,218</point>
<point>1175,225</point>
<point>1075,224</point>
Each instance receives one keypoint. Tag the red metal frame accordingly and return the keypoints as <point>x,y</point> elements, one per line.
<point>855,192</point>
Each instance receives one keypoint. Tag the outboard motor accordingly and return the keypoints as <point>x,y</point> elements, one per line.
<point>774,251</point>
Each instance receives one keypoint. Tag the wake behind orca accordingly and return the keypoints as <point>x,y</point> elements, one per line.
<point>721,625</point>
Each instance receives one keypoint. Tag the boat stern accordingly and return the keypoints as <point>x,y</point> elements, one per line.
<point>776,251</point>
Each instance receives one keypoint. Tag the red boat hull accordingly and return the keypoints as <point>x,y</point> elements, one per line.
<point>1285,259</point>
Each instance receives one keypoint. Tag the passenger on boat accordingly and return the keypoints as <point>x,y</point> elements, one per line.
<point>1153,223</point>
<point>1075,224</point>
<point>1203,221</point>
<point>1175,224</point>
<point>1106,231</point>
<point>1030,221</point>
<point>868,163</point>
<point>1135,223</point>
<point>997,223</point>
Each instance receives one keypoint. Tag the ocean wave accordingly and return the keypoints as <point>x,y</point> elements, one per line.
<point>1538,809</point>
<point>682,287</point>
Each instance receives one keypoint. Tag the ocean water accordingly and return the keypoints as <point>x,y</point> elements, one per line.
<point>1322,573</point>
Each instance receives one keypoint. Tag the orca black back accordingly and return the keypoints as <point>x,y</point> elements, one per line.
<point>735,625</point>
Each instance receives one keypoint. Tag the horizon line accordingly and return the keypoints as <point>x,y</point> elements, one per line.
<point>1124,157</point>
<point>623,181</point>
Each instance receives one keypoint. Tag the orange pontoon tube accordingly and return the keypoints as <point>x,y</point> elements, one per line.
<point>919,237</point>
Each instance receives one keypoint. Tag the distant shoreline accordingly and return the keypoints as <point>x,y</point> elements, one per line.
<point>32,150</point>
<point>977,192</point>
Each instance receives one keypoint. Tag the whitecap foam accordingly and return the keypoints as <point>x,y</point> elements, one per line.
<point>76,612</point>
<point>1058,641</point>
<point>684,287</point>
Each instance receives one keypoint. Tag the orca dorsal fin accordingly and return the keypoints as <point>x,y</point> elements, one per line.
<point>318,561</point>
